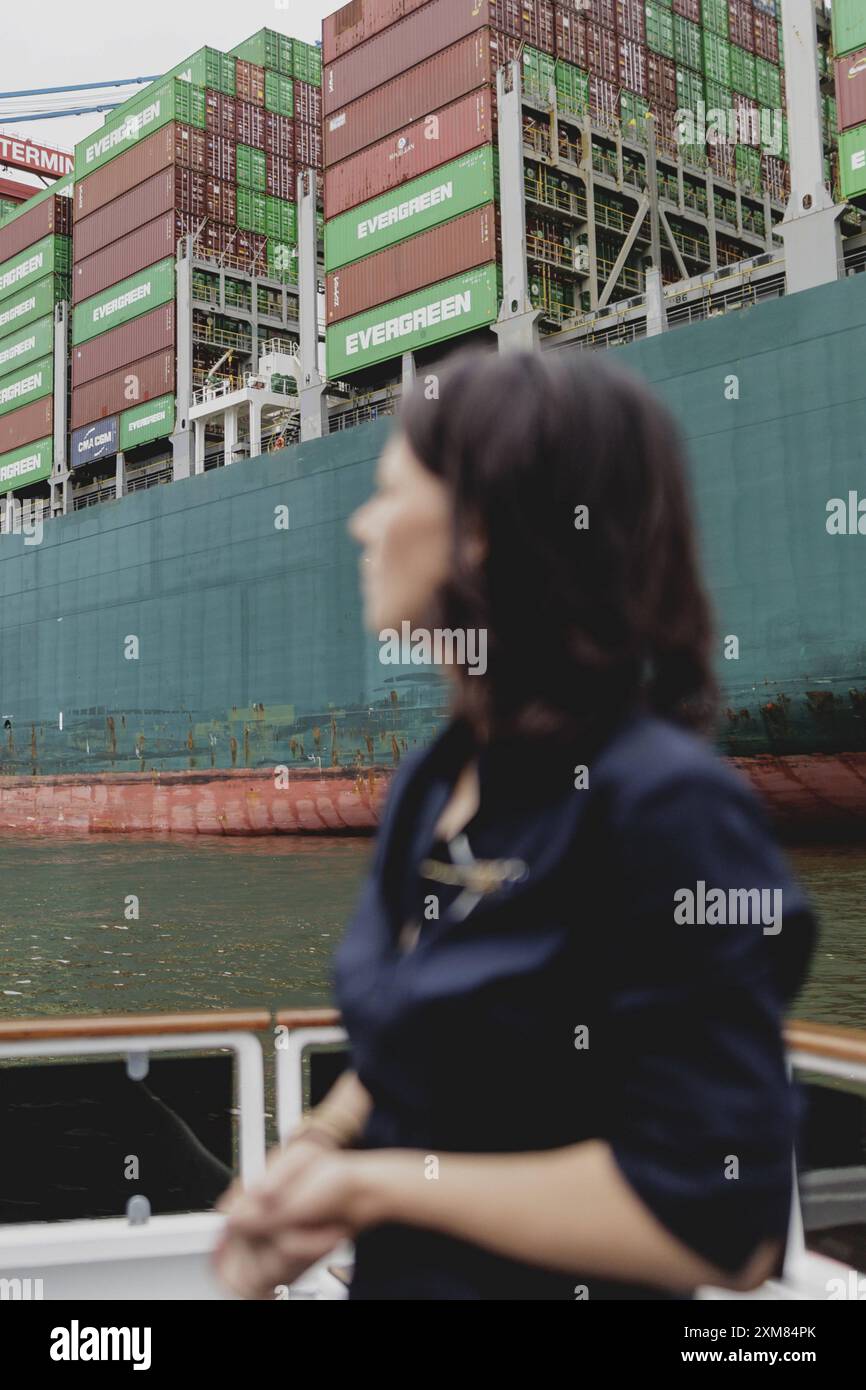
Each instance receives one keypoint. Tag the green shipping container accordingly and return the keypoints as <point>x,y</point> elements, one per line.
<point>717,59</point>
<point>539,72</point>
<point>268,49</point>
<point>418,320</point>
<point>743,71</point>
<point>849,26</point>
<point>21,467</point>
<point>251,168</point>
<point>688,49</point>
<point>633,113</point>
<point>21,387</point>
<point>283,261</point>
<point>768,86</point>
<point>51,255</point>
<point>572,88</point>
<point>207,67</point>
<point>446,192</point>
<point>714,16</point>
<point>660,29</point>
<point>717,98</point>
<point>852,161</point>
<point>307,65</point>
<point>690,89</point>
<point>33,303</point>
<point>26,345</point>
<point>149,112</point>
<point>252,210</point>
<point>748,165</point>
<point>281,220</point>
<point>153,420</point>
<point>136,295</point>
<point>279,94</point>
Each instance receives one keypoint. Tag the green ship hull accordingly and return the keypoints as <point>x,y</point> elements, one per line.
<point>183,659</point>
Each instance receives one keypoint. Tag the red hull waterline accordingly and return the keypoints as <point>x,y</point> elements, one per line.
<point>817,794</point>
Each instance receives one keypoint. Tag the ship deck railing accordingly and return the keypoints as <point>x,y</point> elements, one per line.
<point>169,1256</point>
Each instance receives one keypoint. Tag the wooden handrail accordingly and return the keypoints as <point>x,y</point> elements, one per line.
<point>824,1040</point>
<point>130,1025</point>
<point>307,1018</point>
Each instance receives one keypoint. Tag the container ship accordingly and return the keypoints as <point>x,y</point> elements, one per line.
<point>206,327</point>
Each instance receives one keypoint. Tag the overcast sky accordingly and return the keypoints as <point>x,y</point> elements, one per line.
<point>59,42</point>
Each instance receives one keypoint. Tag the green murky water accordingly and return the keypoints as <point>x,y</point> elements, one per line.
<point>226,923</point>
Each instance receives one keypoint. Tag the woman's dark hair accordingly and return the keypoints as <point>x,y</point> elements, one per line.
<point>582,624</point>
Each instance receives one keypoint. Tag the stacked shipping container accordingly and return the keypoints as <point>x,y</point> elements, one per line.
<point>211,148</point>
<point>849,43</point>
<point>35,260</point>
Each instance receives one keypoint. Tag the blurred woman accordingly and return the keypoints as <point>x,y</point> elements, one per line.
<point>566,979</point>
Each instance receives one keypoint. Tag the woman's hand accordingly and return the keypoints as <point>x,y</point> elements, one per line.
<point>310,1199</point>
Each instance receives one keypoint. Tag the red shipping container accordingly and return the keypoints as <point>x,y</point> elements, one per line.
<point>631,20</point>
<point>748,119</point>
<point>250,125</point>
<point>250,83</point>
<point>667,128</point>
<point>410,152</point>
<point>221,115</point>
<point>601,12</point>
<point>53,217</point>
<point>632,58</point>
<point>572,43</point>
<point>142,337</point>
<point>777,178</point>
<point>723,161</point>
<point>220,200</point>
<point>281,173</point>
<point>411,40</point>
<point>220,157</point>
<point>191,147</point>
<point>356,22</point>
<point>150,243</point>
<point>24,426</point>
<point>427,87</point>
<point>124,172</point>
<point>661,80</point>
<point>279,135</point>
<point>308,103</point>
<point>689,9</point>
<point>249,248</point>
<point>538,24</point>
<point>175,187</point>
<point>851,89</point>
<point>741,24</point>
<point>602,53</point>
<point>766,36</point>
<point>308,147</point>
<point>437,254</point>
<point>604,99</point>
<point>129,385</point>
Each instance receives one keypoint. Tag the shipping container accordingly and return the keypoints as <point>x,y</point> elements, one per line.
<point>632,60</point>
<point>27,465</point>
<point>602,53</point>
<point>24,385</point>
<point>174,144</point>
<point>50,256</point>
<point>308,149</point>
<point>409,153</point>
<point>428,87</point>
<point>221,115</point>
<point>250,125</point>
<point>281,176</point>
<point>173,101</point>
<point>220,158</point>
<point>688,9</point>
<point>572,88</point>
<point>766,37</point>
<point>175,187</point>
<point>360,20</point>
<point>660,29</point>
<point>743,70</point>
<point>852,162</point>
<point>129,342</point>
<point>688,47</point>
<point>250,82</point>
<point>220,201</point>
<point>631,20</point>
<point>714,16</point>
<point>716,58</point>
<point>32,303</point>
<point>129,385</point>
<point>308,103</point>
<point>34,421</point>
<point>427,31</point>
<point>851,90</point>
<point>661,80</point>
<point>268,49</point>
<point>51,217</point>
<point>416,321</point>
<point>252,211</point>
<point>26,344</point>
<point>849,26</point>
<point>603,100</point>
<point>601,12</point>
<point>279,135</point>
<point>132,297</point>
<point>572,43</point>
<point>279,94</point>
<point>741,24</point>
<point>207,67</point>
<point>144,423</point>
<point>448,192</point>
<point>142,248</point>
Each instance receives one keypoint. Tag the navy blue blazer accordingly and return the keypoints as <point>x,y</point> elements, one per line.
<point>581,1001</point>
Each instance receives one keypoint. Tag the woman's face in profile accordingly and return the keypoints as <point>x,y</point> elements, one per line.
<point>405,531</point>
